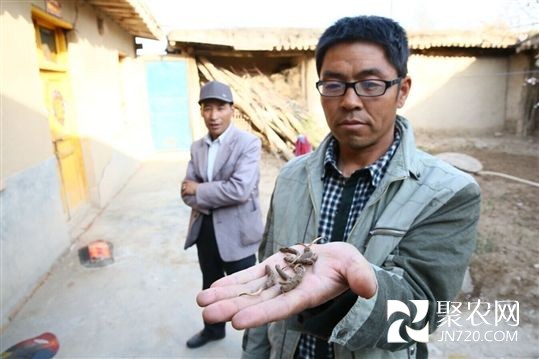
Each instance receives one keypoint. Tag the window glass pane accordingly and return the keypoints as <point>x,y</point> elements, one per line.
<point>48,43</point>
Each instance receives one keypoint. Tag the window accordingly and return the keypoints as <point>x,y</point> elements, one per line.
<point>48,43</point>
<point>50,40</point>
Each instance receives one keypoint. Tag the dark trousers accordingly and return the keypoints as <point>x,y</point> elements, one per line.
<point>213,267</point>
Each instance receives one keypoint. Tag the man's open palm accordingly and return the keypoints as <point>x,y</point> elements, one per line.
<point>339,266</point>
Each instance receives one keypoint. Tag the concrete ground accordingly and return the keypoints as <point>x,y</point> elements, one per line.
<point>142,305</point>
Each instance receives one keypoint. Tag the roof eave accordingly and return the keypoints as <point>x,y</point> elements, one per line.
<point>131,15</point>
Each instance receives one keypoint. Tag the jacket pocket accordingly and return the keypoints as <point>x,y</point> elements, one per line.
<point>381,242</point>
<point>251,225</point>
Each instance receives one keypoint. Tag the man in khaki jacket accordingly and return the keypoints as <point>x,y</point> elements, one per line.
<point>400,225</point>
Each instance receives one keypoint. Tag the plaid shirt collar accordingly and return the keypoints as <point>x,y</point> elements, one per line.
<point>376,169</point>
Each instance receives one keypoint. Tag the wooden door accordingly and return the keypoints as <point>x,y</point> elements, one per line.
<point>52,56</point>
<point>67,147</point>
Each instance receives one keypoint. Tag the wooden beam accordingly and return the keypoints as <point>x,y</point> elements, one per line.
<point>41,14</point>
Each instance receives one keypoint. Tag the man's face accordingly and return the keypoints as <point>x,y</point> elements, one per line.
<point>362,123</point>
<point>217,116</point>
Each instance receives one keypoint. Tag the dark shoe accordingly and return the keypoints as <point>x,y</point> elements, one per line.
<point>201,339</point>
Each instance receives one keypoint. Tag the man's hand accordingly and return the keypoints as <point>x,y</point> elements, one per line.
<point>189,188</point>
<point>339,266</point>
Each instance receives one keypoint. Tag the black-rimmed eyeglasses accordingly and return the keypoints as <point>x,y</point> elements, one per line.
<point>364,88</point>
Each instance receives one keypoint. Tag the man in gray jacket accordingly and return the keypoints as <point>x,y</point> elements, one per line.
<point>399,224</point>
<point>221,187</point>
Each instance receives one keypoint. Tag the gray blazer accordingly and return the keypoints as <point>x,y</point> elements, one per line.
<point>232,196</point>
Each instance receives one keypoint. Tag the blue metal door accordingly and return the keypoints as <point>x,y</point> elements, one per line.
<point>169,114</point>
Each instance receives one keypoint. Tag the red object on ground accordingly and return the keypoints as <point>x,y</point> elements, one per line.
<point>96,254</point>
<point>44,346</point>
<point>303,146</point>
<point>99,250</point>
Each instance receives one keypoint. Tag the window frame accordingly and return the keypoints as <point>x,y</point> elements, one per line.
<point>41,19</point>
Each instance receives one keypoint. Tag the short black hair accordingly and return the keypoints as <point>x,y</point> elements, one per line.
<point>376,29</point>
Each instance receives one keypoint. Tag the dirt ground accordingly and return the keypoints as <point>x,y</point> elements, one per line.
<point>505,265</point>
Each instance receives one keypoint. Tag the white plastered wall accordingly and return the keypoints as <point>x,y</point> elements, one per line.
<point>109,91</point>
<point>459,94</point>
